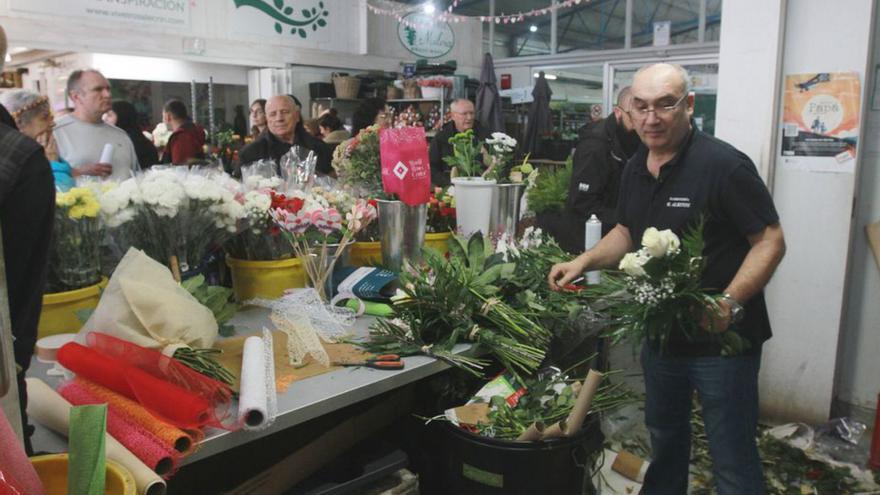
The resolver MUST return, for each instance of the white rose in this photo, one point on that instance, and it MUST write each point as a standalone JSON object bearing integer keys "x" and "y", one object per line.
{"x": 654, "y": 242}
{"x": 672, "y": 242}
{"x": 631, "y": 264}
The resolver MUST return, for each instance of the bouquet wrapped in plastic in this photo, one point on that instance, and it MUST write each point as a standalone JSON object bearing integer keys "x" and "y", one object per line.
{"x": 74, "y": 256}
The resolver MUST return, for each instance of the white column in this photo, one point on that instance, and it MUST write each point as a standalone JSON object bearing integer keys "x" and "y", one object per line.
{"x": 628, "y": 33}
{"x": 554, "y": 21}
{"x": 492, "y": 29}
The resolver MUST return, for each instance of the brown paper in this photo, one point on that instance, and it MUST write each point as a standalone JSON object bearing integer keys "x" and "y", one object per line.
{"x": 472, "y": 414}
{"x": 556, "y": 430}
{"x": 583, "y": 402}
{"x": 52, "y": 411}
{"x": 629, "y": 465}
{"x": 873, "y": 231}
{"x": 534, "y": 433}
{"x": 285, "y": 373}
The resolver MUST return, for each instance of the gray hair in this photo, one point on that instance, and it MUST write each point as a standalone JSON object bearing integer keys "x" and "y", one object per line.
{"x": 624, "y": 95}
{"x": 458, "y": 101}
{"x": 75, "y": 77}
{"x": 24, "y": 105}
{"x": 680, "y": 71}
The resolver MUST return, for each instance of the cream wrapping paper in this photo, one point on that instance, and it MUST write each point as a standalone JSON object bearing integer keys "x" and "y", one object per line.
{"x": 257, "y": 402}
{"x": 144, "y": 305}
{"x": 53, "y": 412}
{"x": 572, "y": 424}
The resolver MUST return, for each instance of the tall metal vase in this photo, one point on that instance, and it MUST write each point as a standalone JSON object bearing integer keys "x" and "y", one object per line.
{"x": 505, "y": 211}
{"x": 402, "y": 232}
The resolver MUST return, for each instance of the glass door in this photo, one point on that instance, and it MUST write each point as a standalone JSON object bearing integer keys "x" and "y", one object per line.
{"x": 703, "y": 82}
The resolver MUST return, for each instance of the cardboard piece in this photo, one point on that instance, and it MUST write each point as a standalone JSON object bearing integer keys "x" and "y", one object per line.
{"x": 301, "y": 464}
{"x": 630, "y": 465}
{"x": 285, "y": 374}
{"x": 471, "y": 414}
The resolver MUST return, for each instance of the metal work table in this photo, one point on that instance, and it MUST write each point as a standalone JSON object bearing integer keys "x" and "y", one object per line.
{"x": 304, "y": 400}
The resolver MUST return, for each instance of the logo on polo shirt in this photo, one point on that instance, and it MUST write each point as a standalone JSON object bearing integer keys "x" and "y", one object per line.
{"x": 678, "y": 202}
{"x": 583, "y": 187}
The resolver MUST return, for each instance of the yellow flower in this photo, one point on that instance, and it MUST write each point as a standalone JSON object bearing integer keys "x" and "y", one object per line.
{"x": 64, "y": 199}
{"x": 76, "y": 212}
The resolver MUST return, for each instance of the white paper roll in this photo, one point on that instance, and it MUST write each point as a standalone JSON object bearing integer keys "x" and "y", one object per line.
{"x": 107, "y": 154}
{"x": 52, "y": 411}
{"x": 257, "y": 398}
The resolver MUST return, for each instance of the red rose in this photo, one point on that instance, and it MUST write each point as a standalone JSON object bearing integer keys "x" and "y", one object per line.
{"x": 373, "y": 203}
{"x": 295, "y": 204}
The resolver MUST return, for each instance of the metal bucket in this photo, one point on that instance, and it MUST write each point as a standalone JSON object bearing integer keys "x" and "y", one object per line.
{"x": 402, "y": 232}
{"x": 505, "y": 208}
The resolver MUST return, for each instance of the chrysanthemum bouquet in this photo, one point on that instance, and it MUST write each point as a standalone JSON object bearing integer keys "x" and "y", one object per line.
{"x": 658, "y": 293}
{"x": 74, "y": 256}
{"x": 358, "y": 164}
{"x": 319, "y": 234}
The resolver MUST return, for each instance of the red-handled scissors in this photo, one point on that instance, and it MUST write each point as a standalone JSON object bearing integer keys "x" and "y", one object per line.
{"x": 383, "y": 362}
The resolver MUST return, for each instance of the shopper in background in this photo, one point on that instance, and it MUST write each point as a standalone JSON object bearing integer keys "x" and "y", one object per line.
{"x": 463, "y": 118}
{"x": 332, "y": 129}
{"x": 371, "y": 111}
{"x": 187, "y": 139}
{"x": 239, "y": 122}
{"x": 681, "y": 176}
{"x": 127, "y": 120}
{"x": 602, "y": 151}
{"x": 82, "y": 135}
{"x": 34, "y": 119}
{"x": 312, "y": 128}
{"x": 258, "y": 117}
{"x": 285, "y": 129}
{"x": 27, "y": 209}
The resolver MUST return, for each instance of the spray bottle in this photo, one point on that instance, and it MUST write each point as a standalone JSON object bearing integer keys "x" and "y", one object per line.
{"x": 593, "y": 232}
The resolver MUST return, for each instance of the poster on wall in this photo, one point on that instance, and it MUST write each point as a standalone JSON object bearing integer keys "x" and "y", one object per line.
{"x": 820, "y": 121}
{"x": 157, "y": 13}
{"x": 424, "y": 36}
{"x": 303, "y": 23}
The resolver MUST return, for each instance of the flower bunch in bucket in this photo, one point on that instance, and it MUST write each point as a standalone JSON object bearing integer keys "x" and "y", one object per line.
{"x": 319, "y": 233}
{"x": 74, "y": 255}
{"x": 658, "y": 293}
{"x": 441, "y": 211}
{"x": 358, "y": 164}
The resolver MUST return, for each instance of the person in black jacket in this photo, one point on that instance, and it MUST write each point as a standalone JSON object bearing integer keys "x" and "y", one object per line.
{"x": 27, "y": 210}
{"x": 603, "y": 149}
{"x": 126, "y": 119}
{"x": 285, "y": 130}
{"x": 463, "y": 118}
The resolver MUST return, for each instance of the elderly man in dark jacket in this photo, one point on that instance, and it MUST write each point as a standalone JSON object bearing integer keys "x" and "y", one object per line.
{"x": 603, "y": 149}
{"x": 285, "y": 130}
{"x": 27, "y": 208}
{"x": 463, "y": 118}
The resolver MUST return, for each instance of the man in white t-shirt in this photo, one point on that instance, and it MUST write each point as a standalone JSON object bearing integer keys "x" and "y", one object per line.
{"x": 82, "y": 135}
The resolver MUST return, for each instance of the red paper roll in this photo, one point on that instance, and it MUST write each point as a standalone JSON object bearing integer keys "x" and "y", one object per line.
{"x": 132, "y": 435}
{"x": 171, "y": 402}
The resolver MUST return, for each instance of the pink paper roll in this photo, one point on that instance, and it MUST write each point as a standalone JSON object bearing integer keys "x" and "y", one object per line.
{"x": 132, "y": 435}
{"x": 14, "y": 462}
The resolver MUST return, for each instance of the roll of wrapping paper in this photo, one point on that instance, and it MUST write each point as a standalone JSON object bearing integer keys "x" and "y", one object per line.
{"x": 52, "y": 411}
{"x": 168, "y": 401}
{"x": 168, "y": 434}
{"x": 15, "y": 467}
{"x": 255, "y": 403}
{"x": 534, "y": 433}
{"x": 131, "y": 435}
{"x": 157, "y": 364}
{"x": 572, "y": 424}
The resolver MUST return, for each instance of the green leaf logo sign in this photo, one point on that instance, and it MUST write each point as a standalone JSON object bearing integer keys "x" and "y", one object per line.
{"x": 284, "y": 15}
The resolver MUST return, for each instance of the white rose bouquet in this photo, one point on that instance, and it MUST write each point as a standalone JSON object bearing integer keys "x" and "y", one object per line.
{"x": 658, "y": 291}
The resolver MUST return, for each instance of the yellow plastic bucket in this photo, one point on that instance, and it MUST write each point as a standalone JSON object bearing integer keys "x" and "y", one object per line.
{"x": 59, "y": 309}
{"x": 365, "y": 253}
{"x": 265, "y": 279}
{"x": 52, "y": 470}
{"x": 438, "y": 241}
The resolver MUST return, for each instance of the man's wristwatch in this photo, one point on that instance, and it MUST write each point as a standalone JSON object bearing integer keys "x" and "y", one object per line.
{"x": 736, "y": 310}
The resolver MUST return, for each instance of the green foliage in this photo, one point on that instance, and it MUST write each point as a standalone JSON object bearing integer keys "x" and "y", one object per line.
{"x": 550, "y": 191}
{"x": 464, "y": 154}
{"x": 216, "y": 298}
{"x": 358, "y": 163}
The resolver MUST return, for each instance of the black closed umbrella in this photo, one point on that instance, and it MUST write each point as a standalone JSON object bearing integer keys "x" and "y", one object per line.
{"x": 488, "y": 99}
{"x": 539, "y": 118}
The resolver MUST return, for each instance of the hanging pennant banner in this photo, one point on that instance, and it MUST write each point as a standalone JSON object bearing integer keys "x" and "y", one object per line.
{"x": 406, "y": 170}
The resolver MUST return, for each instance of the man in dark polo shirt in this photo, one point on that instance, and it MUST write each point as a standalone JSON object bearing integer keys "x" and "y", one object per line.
{"x": 680, "y": 175}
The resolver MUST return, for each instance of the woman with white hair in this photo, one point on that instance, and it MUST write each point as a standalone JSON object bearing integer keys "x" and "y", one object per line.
{"x": 33, "y": 117}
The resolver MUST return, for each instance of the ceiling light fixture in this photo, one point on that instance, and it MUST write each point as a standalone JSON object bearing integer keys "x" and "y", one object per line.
{"x": 429, "y": 8}
{"x": 549, "y": 77}
{"x": 533, "y": 28}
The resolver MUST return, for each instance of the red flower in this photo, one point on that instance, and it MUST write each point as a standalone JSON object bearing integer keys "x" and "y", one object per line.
{"x": 447, "y": 212}
{"x": 295, "y": 204}
{"x": 373, "y": 203}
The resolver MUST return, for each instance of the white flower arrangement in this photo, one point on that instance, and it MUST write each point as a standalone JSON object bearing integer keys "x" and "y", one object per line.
{"x": 501, "y": 143}
{"x": 161, "y": 133}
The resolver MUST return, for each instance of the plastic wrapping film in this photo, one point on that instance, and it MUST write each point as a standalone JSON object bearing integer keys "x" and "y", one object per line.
{"x": 257, "y": 404}
{"x": 16, "y": 471}
{"x": 330, "y": 322}
{"x": 52, "y": 411}
{"x": 130, "y": 434}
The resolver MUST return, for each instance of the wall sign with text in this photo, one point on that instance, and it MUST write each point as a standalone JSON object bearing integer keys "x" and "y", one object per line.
{"x": 425, "y": 36}
{"x": 161, "y": 13}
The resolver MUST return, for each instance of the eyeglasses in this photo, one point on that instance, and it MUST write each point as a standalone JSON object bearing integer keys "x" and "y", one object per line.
{"x": 640, "y": 111}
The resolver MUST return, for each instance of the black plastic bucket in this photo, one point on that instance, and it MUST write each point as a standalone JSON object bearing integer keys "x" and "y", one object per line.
{"x": 478, "y": 465}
